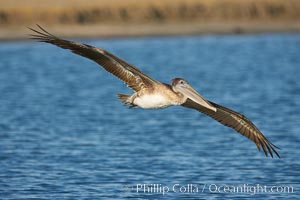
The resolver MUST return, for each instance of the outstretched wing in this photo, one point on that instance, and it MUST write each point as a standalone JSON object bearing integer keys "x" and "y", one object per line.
{"x": 238, "y": 122}
{"x": 132, "y": 77}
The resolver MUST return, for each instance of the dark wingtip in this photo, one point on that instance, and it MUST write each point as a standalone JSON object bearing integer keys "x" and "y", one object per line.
{"x": 273, "y": 148}
{"x": 277, "y": 154}
{"x": 268, "y": 147}
{"x": 40, "y": 34}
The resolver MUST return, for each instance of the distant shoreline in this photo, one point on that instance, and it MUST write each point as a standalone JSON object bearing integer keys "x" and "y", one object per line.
{"x": 114, "y": 31}
{"x": 141, "y": 18}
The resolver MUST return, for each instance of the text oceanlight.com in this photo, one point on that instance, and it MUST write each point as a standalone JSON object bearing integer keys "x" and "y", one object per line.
{"x": 250, "y": 189}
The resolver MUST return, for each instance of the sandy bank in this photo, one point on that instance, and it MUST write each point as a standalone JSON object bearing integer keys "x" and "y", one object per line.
{"x": 115, "y": 18}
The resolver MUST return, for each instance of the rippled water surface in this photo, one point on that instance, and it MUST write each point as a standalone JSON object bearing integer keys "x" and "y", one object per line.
{"x": 65, "y": 135}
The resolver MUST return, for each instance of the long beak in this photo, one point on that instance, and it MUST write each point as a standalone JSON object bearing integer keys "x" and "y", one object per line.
{"x": 190, "y": 93}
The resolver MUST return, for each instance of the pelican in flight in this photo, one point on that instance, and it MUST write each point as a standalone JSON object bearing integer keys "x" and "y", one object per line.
{"x": 151, "y": 94}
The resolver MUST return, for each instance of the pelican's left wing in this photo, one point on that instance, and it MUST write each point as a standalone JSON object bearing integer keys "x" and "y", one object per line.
{"x": 238, "y": 122}
{"x": 132, "y": 77}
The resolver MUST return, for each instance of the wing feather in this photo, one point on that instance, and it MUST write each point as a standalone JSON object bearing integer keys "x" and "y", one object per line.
{"x": 238, "y": 122}
{"x": 132, "y": 77}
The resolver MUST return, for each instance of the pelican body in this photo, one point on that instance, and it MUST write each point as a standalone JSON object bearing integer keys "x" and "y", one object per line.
{"x": 163, "y": 95}
{"x": 151, "y": 94}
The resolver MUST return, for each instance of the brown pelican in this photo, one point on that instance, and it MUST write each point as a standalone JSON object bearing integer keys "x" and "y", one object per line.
{"x": 151, "y": 94}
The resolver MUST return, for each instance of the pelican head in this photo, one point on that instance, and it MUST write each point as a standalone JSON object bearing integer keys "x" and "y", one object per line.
{"x": 181, "y": 86}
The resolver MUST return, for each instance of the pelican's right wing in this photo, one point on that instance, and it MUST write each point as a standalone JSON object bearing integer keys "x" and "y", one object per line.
{"x": 238, "y": 122}
{"x": 132, "y": 77}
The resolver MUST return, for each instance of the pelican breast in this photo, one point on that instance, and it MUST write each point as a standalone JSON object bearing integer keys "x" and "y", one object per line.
{"x": 152, "y": 101}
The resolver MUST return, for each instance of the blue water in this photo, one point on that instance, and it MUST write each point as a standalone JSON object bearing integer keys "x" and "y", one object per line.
{"x": 65, "y": 135}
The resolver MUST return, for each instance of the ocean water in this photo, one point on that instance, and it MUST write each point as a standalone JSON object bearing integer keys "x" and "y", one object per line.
{"x": 65, "y": 135}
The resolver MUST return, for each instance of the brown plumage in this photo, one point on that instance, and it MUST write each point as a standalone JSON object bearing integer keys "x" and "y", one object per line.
{"x": 131, "y": 76}
{"x": 238, "y": 122}
{"x": 151, "y": 94}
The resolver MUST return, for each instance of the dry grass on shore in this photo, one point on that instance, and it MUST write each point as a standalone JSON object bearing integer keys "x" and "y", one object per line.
{"x": 135, "y": 13}
{"x": 144, "y": 11}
